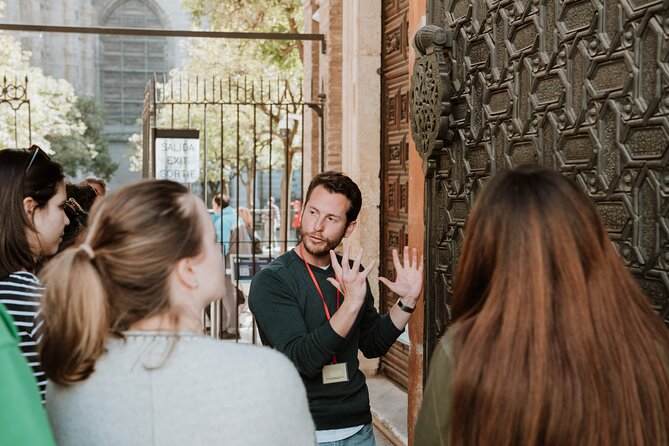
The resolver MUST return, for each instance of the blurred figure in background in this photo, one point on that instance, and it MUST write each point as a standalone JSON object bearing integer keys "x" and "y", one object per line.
{"x": 80, "y": 199}
{"x": 32, "y": 196}
{"x": 552, "y": 342}
{"x": 297, "y": 218}
{"x": 247, "y": 218}
{"x": 225, "y": 221}
{"x": 98, "y": 185}
{"x": 271, "y": 219}
{"x": 123, "y": 343}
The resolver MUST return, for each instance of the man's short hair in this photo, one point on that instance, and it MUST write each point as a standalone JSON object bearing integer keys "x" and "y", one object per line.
{"x": 338, "y": 183}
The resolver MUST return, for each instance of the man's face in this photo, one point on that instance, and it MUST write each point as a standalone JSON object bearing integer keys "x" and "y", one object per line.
{"x": 323, "y": 222}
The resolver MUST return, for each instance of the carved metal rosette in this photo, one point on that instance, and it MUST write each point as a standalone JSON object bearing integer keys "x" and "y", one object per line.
{"x": 431, "y": 90}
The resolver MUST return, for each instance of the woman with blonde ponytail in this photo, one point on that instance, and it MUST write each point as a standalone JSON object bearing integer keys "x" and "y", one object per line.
{"x": 553, "y": 342}
{"x": 123, "y": 344}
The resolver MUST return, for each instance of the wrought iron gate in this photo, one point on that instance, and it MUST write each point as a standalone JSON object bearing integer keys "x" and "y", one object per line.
{"x": 581, "y": 86}
{"x": 251, "y": 139}
{"x": 14, "y": 95}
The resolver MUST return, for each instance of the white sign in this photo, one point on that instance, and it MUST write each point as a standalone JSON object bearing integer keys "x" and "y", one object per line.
{"x": 178, "y": 159}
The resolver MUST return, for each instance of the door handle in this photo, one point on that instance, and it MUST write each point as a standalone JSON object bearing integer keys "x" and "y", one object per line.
{"x": 431, "y": 90}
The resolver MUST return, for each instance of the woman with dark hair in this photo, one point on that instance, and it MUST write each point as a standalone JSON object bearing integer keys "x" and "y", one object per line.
{"x": 123, "y": 343}
{"x": 552, "y": 343}
{"x": 32, "y": 195}
{"x": 80, "y": 200}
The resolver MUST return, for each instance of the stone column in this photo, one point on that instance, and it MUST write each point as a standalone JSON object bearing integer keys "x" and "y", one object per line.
{"x": 361, "y": 127}
{"x": 417, "y": 13}
{"x": 311, "y": 87}
{"x": 331, "y": 17}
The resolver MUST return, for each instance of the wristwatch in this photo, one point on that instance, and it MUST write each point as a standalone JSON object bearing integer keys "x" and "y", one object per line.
{"x": 404, "y": 307}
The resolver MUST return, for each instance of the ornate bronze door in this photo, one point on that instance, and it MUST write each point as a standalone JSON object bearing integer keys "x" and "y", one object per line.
{"x": 581, "y": 86}
{"x": 394, "y": 164}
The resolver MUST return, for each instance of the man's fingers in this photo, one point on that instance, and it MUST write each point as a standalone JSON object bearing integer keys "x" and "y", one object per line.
{"x": 396, "y": 260}
{"x": 414, "y": 260}
{"x": 344, "y": 260}
{"x": 335, "y": 264}
{"x": 385, "y": 281}
{"x": 369, "y": 268}
{"x": 335, "y": 284}
{"x": 358, "y": 260}
{"x": 405, "y": 254}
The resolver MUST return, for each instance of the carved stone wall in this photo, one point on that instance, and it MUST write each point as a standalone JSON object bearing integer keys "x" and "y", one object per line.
{"x": 580, "y": 86}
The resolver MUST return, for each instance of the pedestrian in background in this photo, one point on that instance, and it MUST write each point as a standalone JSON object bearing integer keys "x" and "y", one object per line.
{"x": 225, "y": 222}
{"x": 553, "y": 342}
{"x": 271, "y": 219}
{"x": 123, "y": 343}
{"x": 297, "y": 218}
{"x": 32, "y": 196}
{"x": 79, "y": 201}
{"x": 98, "y": 184}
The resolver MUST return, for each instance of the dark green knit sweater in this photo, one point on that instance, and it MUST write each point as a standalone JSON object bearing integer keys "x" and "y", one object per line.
{"x": 291, "y": 318}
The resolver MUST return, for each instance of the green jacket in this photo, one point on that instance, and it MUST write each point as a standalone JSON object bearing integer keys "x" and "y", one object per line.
{"x": 432, "y": 425}
{"x": 291, "y": 319}
{"x": 22, "y": 417}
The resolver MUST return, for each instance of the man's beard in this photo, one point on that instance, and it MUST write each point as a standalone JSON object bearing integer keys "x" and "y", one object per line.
{"x": 321, "y": 250}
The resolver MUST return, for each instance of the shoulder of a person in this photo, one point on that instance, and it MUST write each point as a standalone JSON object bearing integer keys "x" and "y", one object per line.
{"x": 284, "y": 262}
{"x": 22, "y": 280}
{"x": 21, "y": 277}
{"x": 243, "y": 355}
{"x": 446, "y": 341}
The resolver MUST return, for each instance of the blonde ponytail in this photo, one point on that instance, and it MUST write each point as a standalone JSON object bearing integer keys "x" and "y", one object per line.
{"x": 118, "y": 276}
{"x": 75, "y": 316}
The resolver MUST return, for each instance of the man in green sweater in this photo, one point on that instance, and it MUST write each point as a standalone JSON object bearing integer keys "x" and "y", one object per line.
{"x": 318, "y": 309}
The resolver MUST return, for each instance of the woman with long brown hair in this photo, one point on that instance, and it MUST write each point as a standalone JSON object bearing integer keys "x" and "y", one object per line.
{"x": 123, "y": 344}
{"x": 552, "y": 343}
{"x": 32, "y": 195}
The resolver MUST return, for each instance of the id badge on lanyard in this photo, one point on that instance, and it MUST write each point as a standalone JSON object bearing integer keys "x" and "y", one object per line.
{"x": 335, "y": 372}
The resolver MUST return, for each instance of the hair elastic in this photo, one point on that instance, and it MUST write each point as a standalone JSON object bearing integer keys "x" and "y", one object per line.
{"x": 88, "y": 250}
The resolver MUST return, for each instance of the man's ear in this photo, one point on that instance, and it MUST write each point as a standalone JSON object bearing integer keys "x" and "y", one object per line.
{"x": 29, "y": 206}
{"x": 349, "y": 229}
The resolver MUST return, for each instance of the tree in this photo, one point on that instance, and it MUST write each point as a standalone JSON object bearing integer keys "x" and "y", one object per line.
{"x": 35, "y": 105}
{"x": 87, "y": 152}
{"x": 41, "y": 110}
{"x": 214, "y": 63}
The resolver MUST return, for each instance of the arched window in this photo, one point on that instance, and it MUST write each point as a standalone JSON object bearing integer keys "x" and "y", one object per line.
{"x": 127, "y": 62}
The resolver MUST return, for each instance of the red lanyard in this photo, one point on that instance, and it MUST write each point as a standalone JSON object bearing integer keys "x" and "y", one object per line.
{"x": 320, "y": 293}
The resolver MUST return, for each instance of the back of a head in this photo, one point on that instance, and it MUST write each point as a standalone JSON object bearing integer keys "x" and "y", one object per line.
{"x": 23, "y": 173}
{"x": 84, "y": 195}
{"x": 246, "y": 216}
{"x": 337, "y": 182}
{"x": 80, "y": 200}
{"x": 98, "y": 184}
{"x": 548, "y": 322}
{"x": 136, "y": 236}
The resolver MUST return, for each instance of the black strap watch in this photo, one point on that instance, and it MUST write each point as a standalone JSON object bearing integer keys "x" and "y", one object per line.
{"x": 404, "y": 307}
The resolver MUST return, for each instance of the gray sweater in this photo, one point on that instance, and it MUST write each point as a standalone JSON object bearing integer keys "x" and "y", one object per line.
{"x": 202, "y": 392}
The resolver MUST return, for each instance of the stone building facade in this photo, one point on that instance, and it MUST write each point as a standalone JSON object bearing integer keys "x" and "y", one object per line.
{"x": 115, "y": 69}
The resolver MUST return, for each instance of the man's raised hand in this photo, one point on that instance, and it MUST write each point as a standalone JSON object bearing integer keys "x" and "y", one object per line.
{"x": 350, "y": 280}
{"x": 408, "y": 276}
